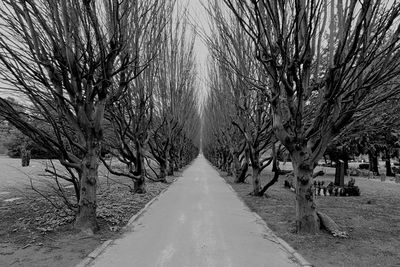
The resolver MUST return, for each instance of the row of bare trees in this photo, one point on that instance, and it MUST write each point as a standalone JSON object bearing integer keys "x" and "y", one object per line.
{"x": 99, "y": 77}
{"x": 295, "y": 73}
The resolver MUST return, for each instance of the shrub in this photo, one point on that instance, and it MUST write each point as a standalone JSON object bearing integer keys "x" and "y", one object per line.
{"x": 15, "y": 144}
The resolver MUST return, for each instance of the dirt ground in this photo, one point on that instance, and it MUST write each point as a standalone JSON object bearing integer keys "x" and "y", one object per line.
{"x": 32, "y": 234}
{"x": 372, "y": 221}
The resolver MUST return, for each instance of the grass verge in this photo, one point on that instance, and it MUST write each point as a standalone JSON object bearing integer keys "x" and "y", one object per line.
{"x": 372, "y": 220}
{"x": 32, "y": 234}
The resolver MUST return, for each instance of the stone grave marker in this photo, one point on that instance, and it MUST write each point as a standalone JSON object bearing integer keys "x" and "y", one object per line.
{"x": 339, "y": 173}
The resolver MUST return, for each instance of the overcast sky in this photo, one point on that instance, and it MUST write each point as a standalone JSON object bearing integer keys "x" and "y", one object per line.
{"x": 199, "y": 18}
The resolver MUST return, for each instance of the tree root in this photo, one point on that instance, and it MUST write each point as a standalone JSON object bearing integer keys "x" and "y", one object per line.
{"x": 327, "y": 223}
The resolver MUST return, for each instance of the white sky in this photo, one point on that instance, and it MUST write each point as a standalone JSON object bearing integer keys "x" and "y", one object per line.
{"x": 199, "y": 17}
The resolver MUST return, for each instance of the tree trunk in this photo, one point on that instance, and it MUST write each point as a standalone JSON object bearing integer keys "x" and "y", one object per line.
{"x": 86, "y": 217}
{"x": 163, "y": 171}
{"x": 230, "y": 163}
{"x": 139, "y": 184}
{"x": 346, "y": 165}
{"x": 256, "y": 179}
{"x": 170, "y": 169}
{"x": 175, "y": 164}
{"x": 270, "y": 183}
{"x": 223, "y": 162}
{"x": 389, "y": 171}
{"x": 275, "y": 170}
{"x": 25, "y": 156}
{"x": 373, "y": 163}
{"x": 242, "y": 173}
{"x": 229, "y": 171}
{"x": 306, "y": 215}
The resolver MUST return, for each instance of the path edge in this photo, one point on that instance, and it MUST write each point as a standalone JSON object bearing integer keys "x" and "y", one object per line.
{"x": 100, "y": 249}
{"x": 288, "y": 248}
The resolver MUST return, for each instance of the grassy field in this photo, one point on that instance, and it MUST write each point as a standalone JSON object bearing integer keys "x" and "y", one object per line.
{"x": 372, "y": 220}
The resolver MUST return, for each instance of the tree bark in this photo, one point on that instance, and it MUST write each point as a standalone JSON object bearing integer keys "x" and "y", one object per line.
{"x": 306, "y": 215}
{"x": 373, "y": 163}
{"x": 170, "y": 168}
{"x": 256, "y": 180}
{"x": 389, "y": 171}
{"x": 346, "y": 165}
{"x": 86, "y": 217}
{"x": 163, "y": 171}
{"x": 139, "y": 184}
{"x": 242, "y": 173}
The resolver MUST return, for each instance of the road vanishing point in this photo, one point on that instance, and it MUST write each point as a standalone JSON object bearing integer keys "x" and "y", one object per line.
{"x": 198, "y": 221}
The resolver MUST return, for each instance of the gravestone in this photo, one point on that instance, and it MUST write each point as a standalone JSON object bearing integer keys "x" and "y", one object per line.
{"x": 339, "y": 173}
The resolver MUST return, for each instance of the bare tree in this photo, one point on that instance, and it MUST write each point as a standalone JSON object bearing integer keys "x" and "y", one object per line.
{"x": 240, "y": 78}
{"x": 131, "y": 115}
{"x": 175, "y": 96}
{"x": 318, "y": 78}
{"x": 62, "y": 58}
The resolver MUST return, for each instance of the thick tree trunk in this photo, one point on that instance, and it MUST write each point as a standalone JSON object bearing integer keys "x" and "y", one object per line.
{"x": 163, "y": 171}
{"x": 306, "y": 215}
{"x": 346, "y": 165}
{"x": 242, "y": 173}
{"x": 139, "y": 184}
{"x": 170, "y": 168}
{"x": 86, "y": 217}
{"x": 256, "y": 180}
{"x": 389, "y": 171}
{"x": 373, "y": 163}
{"x": 244, "y": 168}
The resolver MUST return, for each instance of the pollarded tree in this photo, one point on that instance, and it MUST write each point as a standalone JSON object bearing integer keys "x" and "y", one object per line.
{"x": 174, "y": 95}
{"x": 227, "y": 106}
{"x": 131, "y": 114}
{"x": 222, "y": 142}
{"x": 61, "y": 58}
{"x": 319, "y": 78}
{"x": 242, "y": 79}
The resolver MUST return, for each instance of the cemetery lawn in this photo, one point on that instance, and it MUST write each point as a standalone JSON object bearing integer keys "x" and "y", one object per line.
{"x": 372, "y": 221}
{"x": 31, "y": 234}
